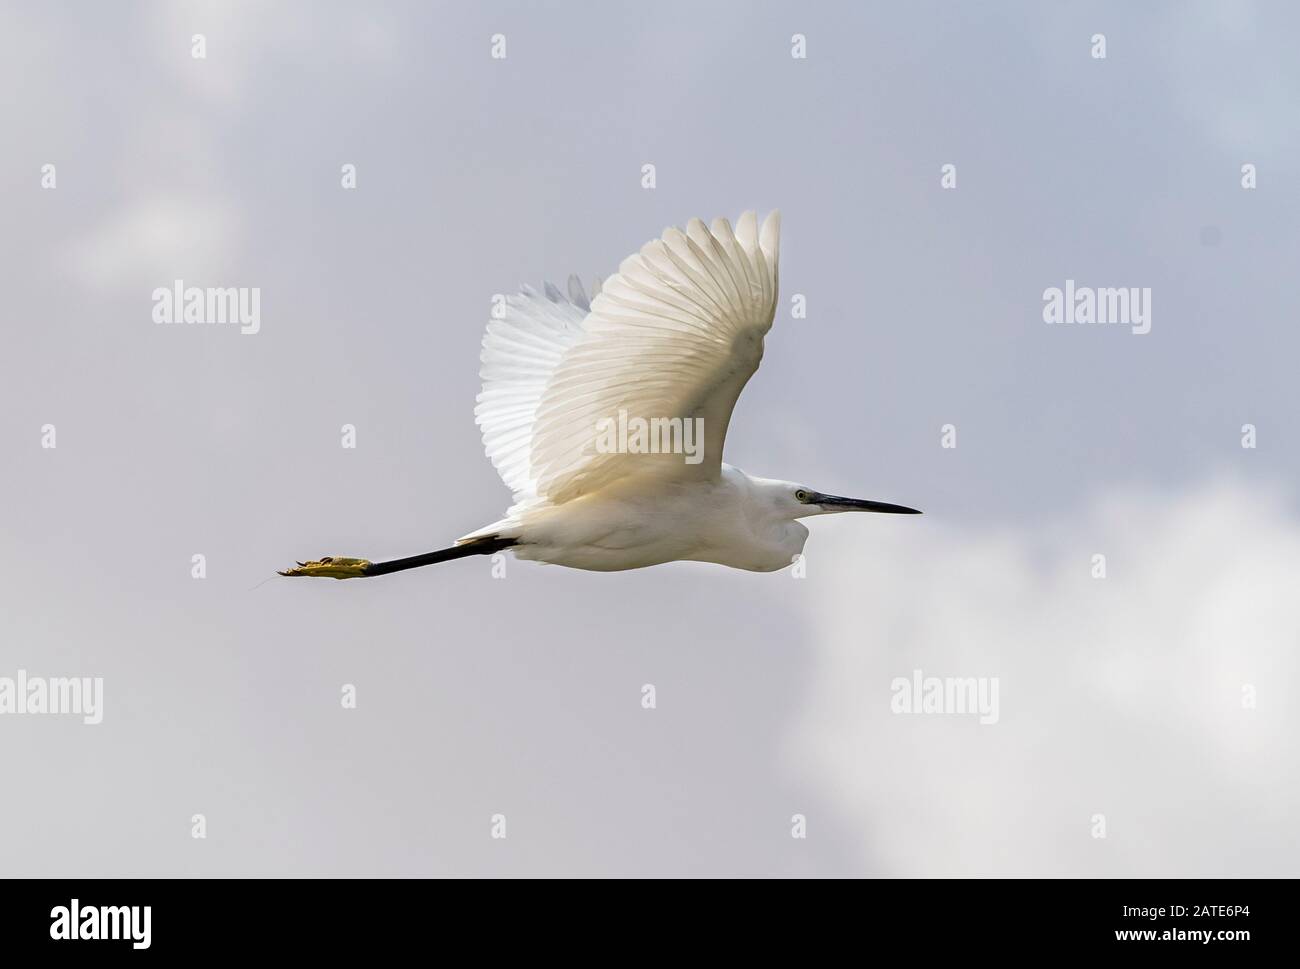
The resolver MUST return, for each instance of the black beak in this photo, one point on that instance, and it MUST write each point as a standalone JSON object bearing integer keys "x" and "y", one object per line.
{"x": 860, "y": 504}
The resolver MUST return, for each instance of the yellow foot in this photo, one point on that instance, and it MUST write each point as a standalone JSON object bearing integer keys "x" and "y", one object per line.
{"x": 332, "y": 567}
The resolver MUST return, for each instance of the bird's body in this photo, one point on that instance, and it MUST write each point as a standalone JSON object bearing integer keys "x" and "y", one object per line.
{"x": 607, "y": 417}
{"x": 732, "y": 520}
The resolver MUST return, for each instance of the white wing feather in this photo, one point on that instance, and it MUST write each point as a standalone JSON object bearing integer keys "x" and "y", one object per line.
{"x": 520, "y": 352}
{"x": 676, "y": 333}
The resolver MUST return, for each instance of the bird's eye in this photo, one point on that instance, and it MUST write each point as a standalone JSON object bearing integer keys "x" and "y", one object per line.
{"x": 801, "y": 495}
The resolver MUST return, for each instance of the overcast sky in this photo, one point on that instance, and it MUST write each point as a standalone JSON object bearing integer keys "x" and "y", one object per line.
{"x": 1122, "y": 697}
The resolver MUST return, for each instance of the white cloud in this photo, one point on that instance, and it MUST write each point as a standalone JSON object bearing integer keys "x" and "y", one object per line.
{"x": 1120, "y": 696}
{"x": 247, "y": 43}
{"x": 153, "y": 241}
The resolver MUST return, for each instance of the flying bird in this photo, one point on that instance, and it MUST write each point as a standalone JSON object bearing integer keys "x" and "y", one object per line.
{"x": 607, "y": 417}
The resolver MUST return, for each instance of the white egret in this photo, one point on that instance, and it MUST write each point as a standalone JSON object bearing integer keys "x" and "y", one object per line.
{"x": 607, "y": 417}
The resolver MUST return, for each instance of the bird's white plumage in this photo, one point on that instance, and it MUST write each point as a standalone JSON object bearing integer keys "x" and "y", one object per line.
{"x": 676, "y": 333}
{"x": 520, "y": 352}
{"x": 673, "y": 336}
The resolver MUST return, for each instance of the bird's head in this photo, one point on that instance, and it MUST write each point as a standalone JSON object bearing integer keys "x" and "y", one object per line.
{"x": 800, "y": 501}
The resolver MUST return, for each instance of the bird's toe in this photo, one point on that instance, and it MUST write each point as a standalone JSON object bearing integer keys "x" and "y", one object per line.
{"x": 331, "y": 567}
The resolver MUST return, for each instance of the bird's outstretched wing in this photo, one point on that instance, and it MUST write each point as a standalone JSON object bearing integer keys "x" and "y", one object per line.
{"x": 675, "y": 334}
{"x": 520, "y": 352}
